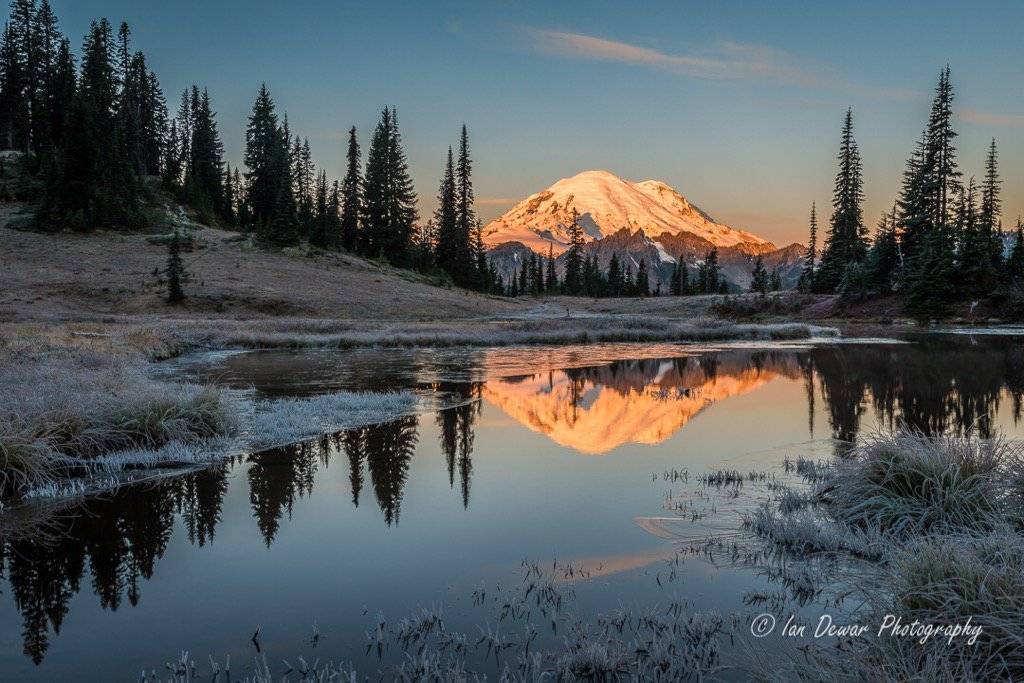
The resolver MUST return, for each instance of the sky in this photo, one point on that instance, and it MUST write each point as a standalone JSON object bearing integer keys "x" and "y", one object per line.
{"x": 738, "y": 105}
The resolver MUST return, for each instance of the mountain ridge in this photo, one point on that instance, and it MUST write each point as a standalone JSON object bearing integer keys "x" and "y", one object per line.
{"x": 607, "y": 204}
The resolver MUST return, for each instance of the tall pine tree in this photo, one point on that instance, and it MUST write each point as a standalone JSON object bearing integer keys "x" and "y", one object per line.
{"x": 846, "y": 243}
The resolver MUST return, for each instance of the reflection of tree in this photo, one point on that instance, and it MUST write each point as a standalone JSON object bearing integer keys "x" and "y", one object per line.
{"x": 389, "y": 450}
{"x": 120, "y": 537}
{"x": 936, "y": 385}
{"x": 457, "y": 432}
{"x": 354, "y": 443}
{"x": 277, "y": 477}
{"x": 198, "y": 499}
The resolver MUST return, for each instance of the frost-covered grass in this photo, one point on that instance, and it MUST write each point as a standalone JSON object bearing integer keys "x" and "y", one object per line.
{"x": 285, "y": 421}
{"x": 492, "y": 332}
{"x": 76, "y": 402}
{"x": 907, "y": 483}
{"x": 63, "y": 407}
{"x": 659, "y": 644}
{"x": 941, "y": 518}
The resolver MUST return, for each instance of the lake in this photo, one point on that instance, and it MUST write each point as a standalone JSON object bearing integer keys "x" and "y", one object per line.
{"x": 585, "y": 463}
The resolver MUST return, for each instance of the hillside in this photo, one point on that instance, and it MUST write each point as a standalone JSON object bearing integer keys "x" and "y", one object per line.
{"x": 69, "y": 275}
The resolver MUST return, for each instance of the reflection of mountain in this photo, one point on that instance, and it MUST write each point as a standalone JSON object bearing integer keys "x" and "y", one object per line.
{"x": 595, "y": 410}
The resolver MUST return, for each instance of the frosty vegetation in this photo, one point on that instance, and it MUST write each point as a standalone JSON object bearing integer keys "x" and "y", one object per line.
{"x": 940, "y": 521}
{"x": 76, "y": 411}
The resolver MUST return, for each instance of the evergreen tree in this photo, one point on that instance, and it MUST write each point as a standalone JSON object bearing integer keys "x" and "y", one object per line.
{"x": 806, "y": 281}
{"x": 710, "y": 281}
{"x": 465, "y": 214}
{"x": 759, "y": 277}
{"x": 263, "y": 140}
{"x": 775, "y": 282}
{"x": 551, "y": 281}
{"x": 977, "y": 276}
{"x": 643, "y": 285}
{"x": 614, "y": 276}
{"x": 446, "y": 219}
{"x": 479, "y": 259}
{"x": 18, "y": 71}
{"x": 322, "y": 224}
{"x": 988, "y": 219}
{"x": 175, "y": 273}
{"x": 884, "y": 258}
{"x": 1014, "y": 266}
{"x": 574, "y": 257}
{"x": 930, "y": 213}
{"x": 351, "y": 195}
{"x": 846, "y": 237}
{"x": 204, "y": 189}
{"x": 95, "y": 185}
{"x": 58, "y": 95}
{"x": 628, "y": 285}
{"x": 389, "y": 199}
{"x": 930, "y": 281}
{"x": 227, "y": 210}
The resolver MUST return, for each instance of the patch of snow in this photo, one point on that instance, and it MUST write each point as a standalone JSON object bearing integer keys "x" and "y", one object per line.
{"x": 663, "y": 255}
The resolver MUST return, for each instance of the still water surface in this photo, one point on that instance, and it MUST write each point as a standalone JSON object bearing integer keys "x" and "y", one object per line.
{"x": 552, "y": 454}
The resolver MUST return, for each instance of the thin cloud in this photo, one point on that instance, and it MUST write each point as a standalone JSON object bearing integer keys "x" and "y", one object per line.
{"x": 494, "y": 201}
{"x": 991, "y": 119}
{"x": 728, "y": 61}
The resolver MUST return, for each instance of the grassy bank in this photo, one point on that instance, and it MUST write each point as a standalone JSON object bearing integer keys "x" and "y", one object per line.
{"x": 942, "y": 524}
{"x": 79, "y": 408}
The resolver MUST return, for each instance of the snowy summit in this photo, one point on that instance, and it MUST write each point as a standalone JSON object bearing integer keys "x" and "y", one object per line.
{"x": 606, "y": 204}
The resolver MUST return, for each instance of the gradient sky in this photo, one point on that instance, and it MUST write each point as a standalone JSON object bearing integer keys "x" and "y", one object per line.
{"x": 736, "y": 104}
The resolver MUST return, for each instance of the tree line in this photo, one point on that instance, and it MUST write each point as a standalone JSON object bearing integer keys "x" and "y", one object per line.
{"x": 538, "y": 275}
{"x": 940, "y": 243}
{"x": 99, "y": 135}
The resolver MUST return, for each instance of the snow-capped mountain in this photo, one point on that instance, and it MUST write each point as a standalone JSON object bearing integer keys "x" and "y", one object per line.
{"x": 607, "y": 204}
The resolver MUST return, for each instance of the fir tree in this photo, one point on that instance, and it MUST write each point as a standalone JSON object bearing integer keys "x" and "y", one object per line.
{"x": 883, "y": 258}
{"x": 263, "y": 140}
{"x": 759, "y": 277}
{"x": 446, "y": 219}
{"x": 574, "y": 257}
{"x": 389, "y": 199}
{"x": 322, "y": 224}
{"x": 1014, "y": 266}
{"x": 614, "y": 276}
{"x": 775, "y": 281}
{"x": 479, "y": 258}
{"x": 930, "y": 282}
{"x": 465, "y": 214}
{"x": 643, "y": 285}
{"x": 930, "y": 216}
{"x": 95, "y": 185}
{"x": 351, "y": 195}
{"x": 204, "y": 189}
{"x": 551, "y": 280}
{"x": 846, "y": 237}
{"x": 977, "y": 276}
{"x": 710, "y": 281}
{"x": 806, "y": 281}
{"x": 175, "y": 273}
{"x": 991, "y": 205}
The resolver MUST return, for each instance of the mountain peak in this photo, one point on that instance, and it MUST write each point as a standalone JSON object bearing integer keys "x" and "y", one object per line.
{"x": 606, "y": 203}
